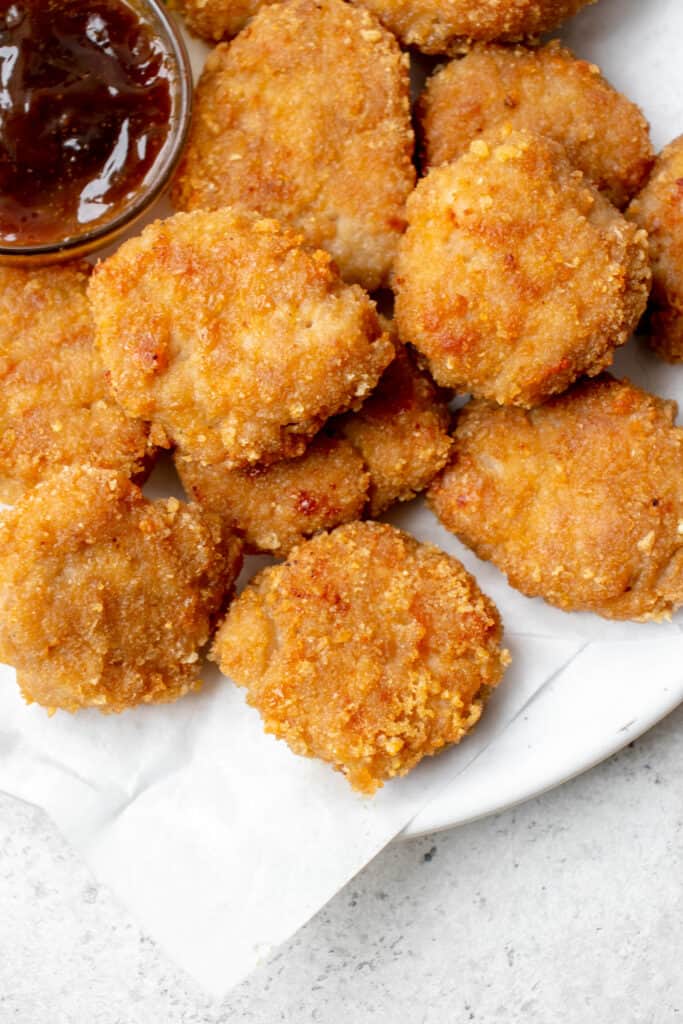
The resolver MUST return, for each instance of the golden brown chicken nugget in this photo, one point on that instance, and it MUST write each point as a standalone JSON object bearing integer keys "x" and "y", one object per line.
{"x": 275, "y": 507}
{"x": 401, "y": 431}
{"x": 360, "y": 464}
{"x": 448, "y": 26}
{"x": 56, "y": 408}
{"x": 579, "y": 501}
{"x": 546, "y": 90}
{"x": 365, "y": 649}
{"x": 305, "y": 117}
{"x": 515, "y": 275}
{"x": 217, "y": 19}
{"x": 659, "y": 209}
{"x": 105, "y": 597}
{"x": 228, "y": 333}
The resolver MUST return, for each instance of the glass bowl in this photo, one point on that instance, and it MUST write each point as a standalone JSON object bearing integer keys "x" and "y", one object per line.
{"x": 158, "y": 177}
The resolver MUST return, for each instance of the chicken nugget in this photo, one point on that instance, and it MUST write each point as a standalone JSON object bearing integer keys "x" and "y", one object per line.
{"x": 579, "y": 501}
{"x": 360, "y": 464}
{"x": 275, "y": 507}
{"x": 105, "y": 597}
{"x": 305, "y": 117}
{"x": 216, "y": 19}
{"x": 449, "y": 26}
{"x": 56, "y": 408}
{"x": 401, "y": 431}
{"x": 659, "y": 209}
{"x": 365, "y": 649}
{"x": 515, "y": 275}
{"x": 546, "y": 90}
{"x": 239, "y": 342}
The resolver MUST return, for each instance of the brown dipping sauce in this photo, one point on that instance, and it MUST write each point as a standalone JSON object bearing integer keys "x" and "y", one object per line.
{"x": 85, "y": 109}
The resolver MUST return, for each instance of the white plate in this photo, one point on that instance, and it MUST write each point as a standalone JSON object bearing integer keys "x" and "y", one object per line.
{"x": 592, "y": 709}
{"x": 637, "y": 47}
{"x": 553, "y": 741}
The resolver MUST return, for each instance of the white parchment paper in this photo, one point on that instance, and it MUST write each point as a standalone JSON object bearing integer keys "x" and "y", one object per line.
{"x": 215, "y": 836}
{"x": 219, "y": 840}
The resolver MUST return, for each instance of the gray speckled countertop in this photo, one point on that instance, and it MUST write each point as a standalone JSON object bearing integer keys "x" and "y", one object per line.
{"x": 567, "y": 909}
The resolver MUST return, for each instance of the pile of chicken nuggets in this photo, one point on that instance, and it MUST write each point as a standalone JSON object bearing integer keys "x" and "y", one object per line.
{"x": 294, "y": 336}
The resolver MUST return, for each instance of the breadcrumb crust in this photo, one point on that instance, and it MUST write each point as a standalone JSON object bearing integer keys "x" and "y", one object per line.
{"x": 579, "y": 501}
{"x": 56, "y": 408}
{"x": 365, "y": 649}
{"x": 275, "y": 507}
{"x": 546, "y": 90}
{"x": 401, "y": 432}
{"x": 305, "y": 117}
{"x": 360, "y": 464}
{"x": 214, "y": 20}
{"x": 515, "y": 275}
{"x": 237, "y": 340}
{"x": 450, "y": 26}
{"x": 106, "y": 597}
{"x": 659, "y": 209}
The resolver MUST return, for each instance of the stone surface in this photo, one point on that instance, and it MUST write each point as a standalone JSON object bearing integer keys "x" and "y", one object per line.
{"x": 565, "y": 910}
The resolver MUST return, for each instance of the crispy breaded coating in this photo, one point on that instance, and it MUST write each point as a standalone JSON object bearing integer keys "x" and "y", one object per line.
{"x": 240, "y": 342}
{"x": 448, "y": 26}
{"x": 275, "y": 507}
{"x": 105, "y": 597}
{"x": 56, "y": 408}
{"x": 546, "y": 90}
{"x": 365, "y": 649}
{"x": 659, "y": 209}
{"x": 579, "y": 501}
{"x": 305, "y": 117}
{"x": 360, "y": 464}
{"x": 216, "y": 19}
{"x": 401, "y": 431}
{"x": 515, "y": 275}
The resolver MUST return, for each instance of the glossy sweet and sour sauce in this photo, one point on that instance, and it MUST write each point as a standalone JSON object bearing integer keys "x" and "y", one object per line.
{"x": 85, "y": 109}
